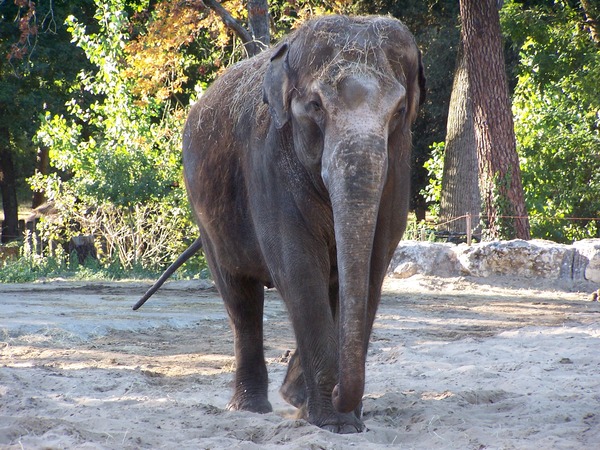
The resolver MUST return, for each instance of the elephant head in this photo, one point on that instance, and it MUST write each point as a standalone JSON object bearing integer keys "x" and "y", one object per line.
{"x": 348, "y": 101}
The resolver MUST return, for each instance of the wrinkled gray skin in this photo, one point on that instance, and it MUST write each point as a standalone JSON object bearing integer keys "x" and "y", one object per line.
{"x": 307, "y": 191}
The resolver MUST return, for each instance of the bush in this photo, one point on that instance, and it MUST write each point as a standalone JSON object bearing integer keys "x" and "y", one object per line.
{"x": 119, "y": 166}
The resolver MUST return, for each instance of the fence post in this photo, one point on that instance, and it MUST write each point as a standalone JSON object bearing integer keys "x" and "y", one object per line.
{"x": 469, "y": 230}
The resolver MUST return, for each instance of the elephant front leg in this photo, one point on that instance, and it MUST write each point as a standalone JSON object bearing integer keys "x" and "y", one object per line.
{"x": 317, "y": 407}
{"x": 293, "y": 390}
{"x": 244, "y": 300}
{"x": 312, "y": 371}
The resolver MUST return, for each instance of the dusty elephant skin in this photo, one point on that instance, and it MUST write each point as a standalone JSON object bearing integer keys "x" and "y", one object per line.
{"x": 296, "y": 163}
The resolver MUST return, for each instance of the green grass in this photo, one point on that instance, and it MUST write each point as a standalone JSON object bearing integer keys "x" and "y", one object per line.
{"x": 31, "y": 268}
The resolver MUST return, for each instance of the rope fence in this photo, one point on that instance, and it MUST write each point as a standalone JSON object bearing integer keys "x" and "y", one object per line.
{"x": 470, "y": 218}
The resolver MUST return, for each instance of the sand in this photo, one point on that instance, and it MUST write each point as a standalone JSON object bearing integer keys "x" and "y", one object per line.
{"x": 454, "y": 363}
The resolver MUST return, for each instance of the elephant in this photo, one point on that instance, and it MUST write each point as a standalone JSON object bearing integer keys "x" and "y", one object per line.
{"x": 297, "y": 168}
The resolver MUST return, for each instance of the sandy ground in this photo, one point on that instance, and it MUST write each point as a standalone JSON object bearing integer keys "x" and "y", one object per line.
{"x": 453, "y": 363}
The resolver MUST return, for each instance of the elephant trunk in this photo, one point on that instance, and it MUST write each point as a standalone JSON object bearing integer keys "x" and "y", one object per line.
{"x": 354, "y": 176}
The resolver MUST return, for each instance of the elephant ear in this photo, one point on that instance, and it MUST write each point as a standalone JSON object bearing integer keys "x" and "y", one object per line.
{"x": 275, "y": 86}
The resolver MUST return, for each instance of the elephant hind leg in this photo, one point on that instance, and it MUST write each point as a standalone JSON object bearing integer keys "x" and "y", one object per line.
{"x": 244, "y": 300}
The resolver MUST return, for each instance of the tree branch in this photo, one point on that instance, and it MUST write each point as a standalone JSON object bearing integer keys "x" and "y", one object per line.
{"x": 234, "y": 25}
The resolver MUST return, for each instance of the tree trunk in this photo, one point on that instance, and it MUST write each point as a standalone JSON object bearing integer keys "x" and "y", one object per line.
{"x": 592, "y": 18}
{"x": 43, "y": 167}
{"x": 8, "y": 188}
{"x": 258, "y": 22}
{"x": 258, "y": 38}
{"x": 499, "y": 171}
{"x": 231, "y": 23}
{"x": 460, "y": 188}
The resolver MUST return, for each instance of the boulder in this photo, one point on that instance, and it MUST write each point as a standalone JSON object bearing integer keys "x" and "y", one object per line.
{"x": 83, "y": 246}
{"x": 516, "y": 258}
{"x": 425, "y": 258}
{"x": 586, "y": 264}
{"x": 527, "y": 259}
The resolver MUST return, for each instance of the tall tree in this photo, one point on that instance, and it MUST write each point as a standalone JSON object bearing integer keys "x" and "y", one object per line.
{"x": 460, "y": 181}
{"x": 591, "y": 11}
{"x": 258, "y": 21}
{"x": 8, "y": 188}
{"x": 499, "y": 172}
{"x": 38, "y": 65}
{"x": 13, "y": 42}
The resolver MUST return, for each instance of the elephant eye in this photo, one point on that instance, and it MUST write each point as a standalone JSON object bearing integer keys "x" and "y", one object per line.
{"x": 315, "y": 106}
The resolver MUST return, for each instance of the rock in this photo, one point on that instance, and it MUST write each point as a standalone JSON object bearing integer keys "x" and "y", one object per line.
{"x": 516, "y": 258}
{"x": 406, "y": 270}
{"x": 528, "y": 259}
{"x": 44, "y": 210}
{"x": 586, "y": 264}
{"x": 426, "y": 258}
{"x": 83, "y": 246}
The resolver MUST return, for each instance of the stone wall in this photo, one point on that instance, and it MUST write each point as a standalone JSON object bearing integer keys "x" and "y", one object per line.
{"x": 517, "y": 258}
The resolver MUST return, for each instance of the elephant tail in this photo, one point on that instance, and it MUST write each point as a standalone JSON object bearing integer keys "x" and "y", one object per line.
{"x": 187, "y": 254}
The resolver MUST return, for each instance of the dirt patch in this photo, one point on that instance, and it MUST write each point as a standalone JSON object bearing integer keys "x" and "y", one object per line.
{"x": 453, "y": 363}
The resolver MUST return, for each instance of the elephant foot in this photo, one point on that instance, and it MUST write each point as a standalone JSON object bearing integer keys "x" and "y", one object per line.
{"x": 339, "y": 423}
{"x": 345, "y": 428}
{"x": 344, "y": 424}
{"x": 243, "y": 403}
{"x": 293, "y": 389}
{"x": 295, "y": 393}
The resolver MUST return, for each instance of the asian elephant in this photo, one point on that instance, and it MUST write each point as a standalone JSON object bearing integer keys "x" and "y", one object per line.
{"x": 297, "y": 167}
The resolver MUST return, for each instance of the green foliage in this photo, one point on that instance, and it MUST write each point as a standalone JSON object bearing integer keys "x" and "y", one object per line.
{"x": 30, "y": 267}
{"x": 114, "y": 130}
{"x": 435, "y": 169}
{"x": 38, "y": 75}
{"x": 120, "y": 148}
{"x": 419, "y": 231}
{"x": 121, "y": 156}
{"x": 557, "y": 118}
{"x": 114, "y": 150}
{"x": 503, "y": 226}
